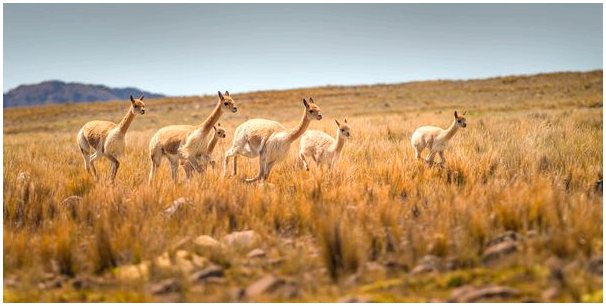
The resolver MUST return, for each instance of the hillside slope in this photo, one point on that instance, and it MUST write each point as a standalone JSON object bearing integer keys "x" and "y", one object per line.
{"x": 57, "y": 92}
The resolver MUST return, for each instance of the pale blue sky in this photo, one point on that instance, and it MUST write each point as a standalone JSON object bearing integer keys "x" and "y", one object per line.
{"x": 193, "y": 49}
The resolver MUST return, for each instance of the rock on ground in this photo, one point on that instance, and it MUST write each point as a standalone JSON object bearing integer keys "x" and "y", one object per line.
{"x": 213, "y": 271}
{"x": 205, "y": 242}
{"x": 244, "y": 239}
{"x": 256, "y": 253}
{"x": 499, "y": 250}
{"x": 133, "y": 272}
{"x": 270, "y": 284}
{"x": 165, "y": 286}
{"x": 469, "y": 294}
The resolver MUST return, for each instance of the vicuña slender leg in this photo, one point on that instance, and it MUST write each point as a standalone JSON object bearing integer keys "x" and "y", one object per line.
{"x": 442, "y": 159}
{"x": 302, "y": 158}
{"x": 235, "y": 166}
{"x": 431, "y": 156}
{"x": 114, "y": 167}
{"x": 174, "y": 168}
{"x": 268, "y": 167}
{"x": 92, "y": 160}
{"x": 261, "y": 170}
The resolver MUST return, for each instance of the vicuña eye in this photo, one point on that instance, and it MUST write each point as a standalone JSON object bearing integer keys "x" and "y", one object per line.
{"x": 225, "y": 103}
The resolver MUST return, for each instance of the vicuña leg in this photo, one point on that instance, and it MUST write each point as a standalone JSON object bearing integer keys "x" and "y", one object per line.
{"x": 267, "y": 170}
{"x": 156, "y": 159}
{"x": 92, "y": 160}
{"x": 230, "y": 153}
{"x": 86, "y": 161}
{"x": 442, "y": 159}
{"x": 432, "y": 155}
{"x": 302, "y": 158}
{"x": 261, "y": 169}
{"x": 114, "y": 168}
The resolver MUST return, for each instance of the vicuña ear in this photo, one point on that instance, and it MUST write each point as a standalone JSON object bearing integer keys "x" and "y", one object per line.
{"x": 219, "y": 124}
{"x": 311, "y": 100}
{"x": 345, "y": 120}
{"x": 220, "y": 96}
{"x": 305, "y": 103}
{"x": 132, "y": 99}
{"x": 214, "y": 127}
{"x": 464, "y": 113}
{"x": 456, "y": 115}
{"x": 338, "y": 124}
{"x": 227, "y": 93}
{"x": 142, "y": 96}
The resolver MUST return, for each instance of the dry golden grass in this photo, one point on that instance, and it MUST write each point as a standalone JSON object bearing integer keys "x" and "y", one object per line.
{"x": 528, "y": 162}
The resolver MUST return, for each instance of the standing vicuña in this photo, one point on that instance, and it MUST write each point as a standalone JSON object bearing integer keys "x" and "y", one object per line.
{"x": 267, "y": 139}
{"x": 107, "y": 138}
{"x": 322, "y": 148}
{"x": 435, "y": 138}
{"x": 220, "y": 133}
{"x": 185, "y": 141}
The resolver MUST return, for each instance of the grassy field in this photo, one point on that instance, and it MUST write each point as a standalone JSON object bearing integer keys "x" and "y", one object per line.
{"x": 514, "y": 215}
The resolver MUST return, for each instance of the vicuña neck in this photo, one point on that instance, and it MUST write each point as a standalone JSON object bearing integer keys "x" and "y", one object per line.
{"x": 212, "y": 119}
{"x": 125, "y": 122}
{"x": 338, "y": 145}
{"x": 452, "y": 129}
{"x": 300, "y": 129}
{"x": 212, "y": 143}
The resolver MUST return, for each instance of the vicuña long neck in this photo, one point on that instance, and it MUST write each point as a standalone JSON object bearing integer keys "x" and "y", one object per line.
{"x": 212, "y": 143}
{"x": 125, "y": 122}
{"x": 337, "y": 146}
{"x": 452, "y": 129}
{"x": 300, "y": 129}
{"x": 212, "y": 119}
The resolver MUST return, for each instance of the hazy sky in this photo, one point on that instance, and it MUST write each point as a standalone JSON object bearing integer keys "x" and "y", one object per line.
{"x": 192, "y": 49}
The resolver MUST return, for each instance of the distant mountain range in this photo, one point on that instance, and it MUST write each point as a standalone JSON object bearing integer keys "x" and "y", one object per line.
{"x": 56, "y": 92}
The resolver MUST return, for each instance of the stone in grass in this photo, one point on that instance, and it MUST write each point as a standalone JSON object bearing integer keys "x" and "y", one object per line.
{"x": 169, "y": 285}
{"x": 428, "y": 264}
{"x": 506, "y": 236}
{"x": 470, "y": 294}
{"x": 265, "y": 285}
{"x": 205, "y": 242}
{"x": 256, "y": 253}
{"x": 163, "y": 262}
{"x": 133, "y": 272}
{"x": 183, "y": 261}
{"x": 213, "y": 271}
{"x": 244, "y": 239}
{"x": 499, "y": 250}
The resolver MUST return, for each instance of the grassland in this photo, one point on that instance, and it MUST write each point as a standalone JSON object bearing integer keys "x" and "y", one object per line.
{"x": 383, "y": 227}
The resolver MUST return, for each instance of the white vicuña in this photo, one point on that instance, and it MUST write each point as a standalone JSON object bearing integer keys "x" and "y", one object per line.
{"x": 267, "y": 139}
{"x": 321, "y": 147}
{"x": 206, "y": 158}
{"x": 107, "y": 139}
{"x": 435, "y": 138}
{"x": 176, "y": 142}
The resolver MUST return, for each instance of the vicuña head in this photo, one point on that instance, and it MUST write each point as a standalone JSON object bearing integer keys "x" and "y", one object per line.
{"x": 137, "y": 105}
{"x": 219, "y": 131}
{"x": 461, "y": 122}
{"x": 312, "y": 110}
{"x": 344, "y": 128}
{"x": 227, "y": 102}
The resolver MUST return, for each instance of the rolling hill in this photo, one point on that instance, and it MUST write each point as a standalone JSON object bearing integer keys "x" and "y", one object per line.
{"x": 57, "y": 92}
